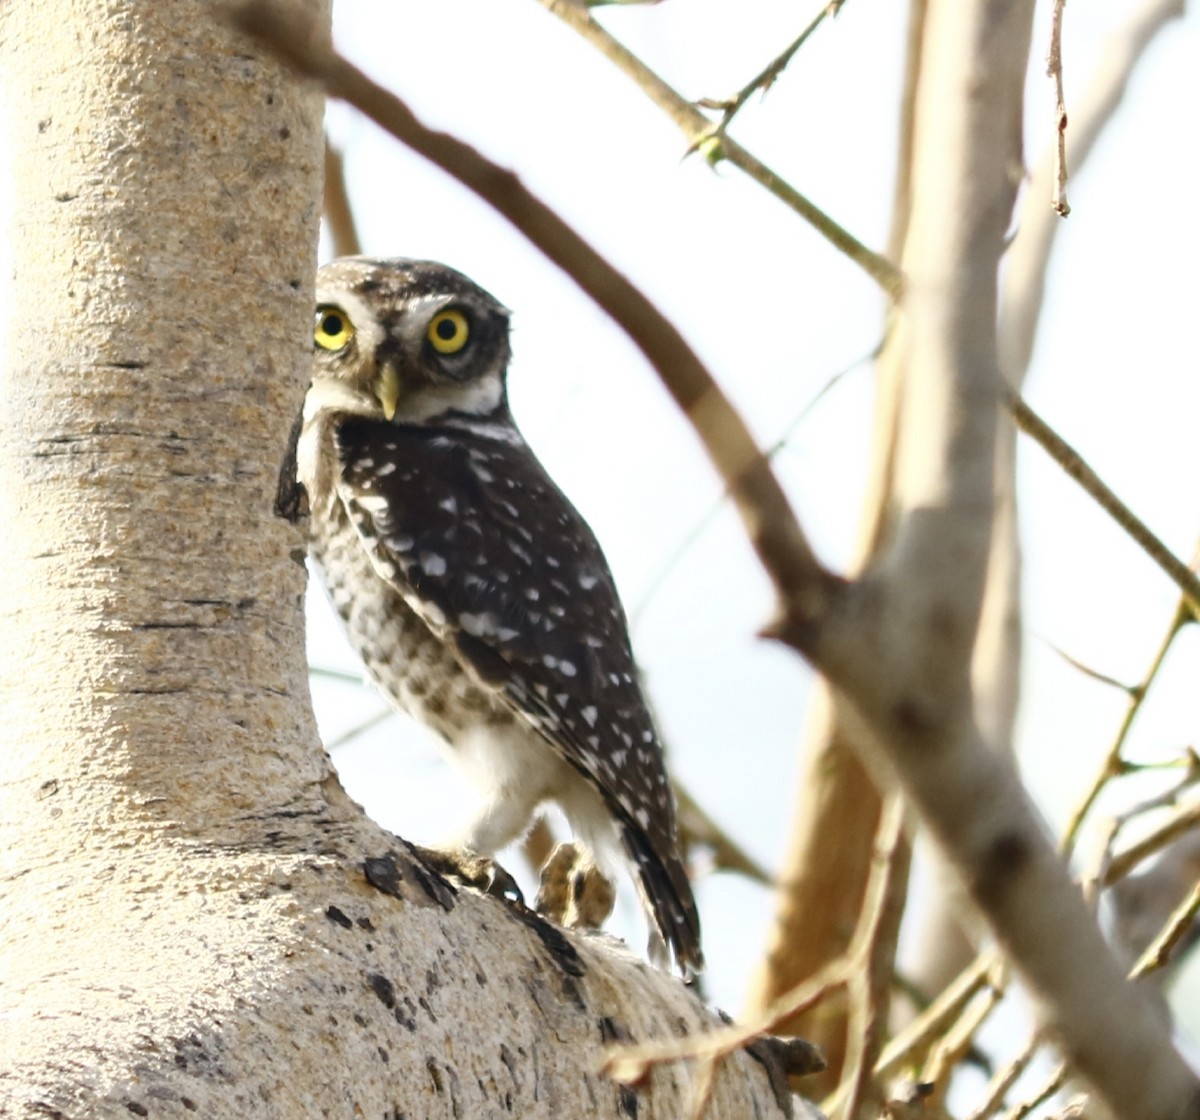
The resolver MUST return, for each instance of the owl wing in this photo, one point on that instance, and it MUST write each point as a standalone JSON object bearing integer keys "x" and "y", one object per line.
{"x": 466, "y": 524}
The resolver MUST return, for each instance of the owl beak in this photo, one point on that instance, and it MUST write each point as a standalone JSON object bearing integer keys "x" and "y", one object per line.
{"x": 387, "y": 389}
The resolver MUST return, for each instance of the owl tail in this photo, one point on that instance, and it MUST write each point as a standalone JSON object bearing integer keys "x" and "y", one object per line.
{"x": 670, "y": 906}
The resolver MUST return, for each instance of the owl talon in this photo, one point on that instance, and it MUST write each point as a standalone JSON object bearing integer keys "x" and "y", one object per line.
{"x": 573, "y": 891}
{"x": 480, "y": 872}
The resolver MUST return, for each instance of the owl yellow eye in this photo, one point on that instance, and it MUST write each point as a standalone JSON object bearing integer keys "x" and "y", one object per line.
{"x": 448, "y": 331}
{"x": 332, "y": 329}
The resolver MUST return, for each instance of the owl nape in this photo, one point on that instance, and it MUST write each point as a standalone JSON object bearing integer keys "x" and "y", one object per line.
{"x": 476, "y": 595}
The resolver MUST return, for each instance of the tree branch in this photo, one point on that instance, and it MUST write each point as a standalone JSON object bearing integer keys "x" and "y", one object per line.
{"x": 1139, "y": 532}
{"x": 698, "y": 130}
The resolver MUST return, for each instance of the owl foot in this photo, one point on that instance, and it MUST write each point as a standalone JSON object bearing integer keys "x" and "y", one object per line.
{"x": 480, "y": 872}
{"x": 573, "y": 892}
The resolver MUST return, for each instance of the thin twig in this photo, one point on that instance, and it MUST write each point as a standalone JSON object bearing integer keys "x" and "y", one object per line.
{"x": 766, "y": 78}
{"x": 953, "y": 1046}
{"x": 1168, "y": 797}
{"x": 694, "y": 534}
{"x": 987, "y": 970}
{"x": 1049, "y": 1086}
{"x": 1112, "y": 765}
{"x": 1158, "y": 953}
{"x": 697, "y": 128}
{"x": 359, "y": 729}
{"x": 874, "y": 945}
{"x": 629, "y": 1064}
{"x": 1183, "y": 820}
{"x": 1054, "y": 70}
{"x": 1088, "y": 671}
{"x": 1073, "y": 463}
{"x": 1037, "y": 224}
{"x": 1005, "y": 1078}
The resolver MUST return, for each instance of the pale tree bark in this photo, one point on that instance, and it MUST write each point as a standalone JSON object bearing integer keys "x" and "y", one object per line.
{"x": 194, "y": 918}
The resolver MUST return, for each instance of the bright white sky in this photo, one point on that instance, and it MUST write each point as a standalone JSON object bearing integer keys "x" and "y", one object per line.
{"x": 777, "y": 312}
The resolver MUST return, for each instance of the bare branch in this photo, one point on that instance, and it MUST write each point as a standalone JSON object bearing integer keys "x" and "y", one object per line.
{"x": 1179, "y": 823}
{"x": 1050, "y": 1085}
{"x": 1005, "y": 1078}
{"x": 699, "y": 132}
{"x": 1130, "y": 690}
{"x": 1054, "y": 70}
{"x": 867, "y": 963}
{"x": 630, "y": 1064}
{"x": 988, "y": 970}
{"x": 729, "y": 107}
{"x": 338, "y": 213}
{"x": 874, "y": 950}
{"x": 1038, "y": 225}
{"x": 1158, "y": 953}
{"x": 1074, "y": 465}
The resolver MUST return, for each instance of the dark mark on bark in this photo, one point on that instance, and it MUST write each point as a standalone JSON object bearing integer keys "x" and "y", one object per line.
{"x": 383, "y": 988}
{"x": 383, "y": 874}
{"x": 338, "y": 917}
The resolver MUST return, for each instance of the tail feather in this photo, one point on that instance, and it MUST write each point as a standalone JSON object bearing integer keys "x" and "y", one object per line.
{"x": 667, "y": 897}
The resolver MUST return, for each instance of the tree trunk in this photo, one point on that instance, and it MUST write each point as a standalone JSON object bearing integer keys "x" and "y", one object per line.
{"x": 195, "y": 918}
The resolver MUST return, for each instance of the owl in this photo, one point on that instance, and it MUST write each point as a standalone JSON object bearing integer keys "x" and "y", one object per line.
{"x": 475, "y": 593}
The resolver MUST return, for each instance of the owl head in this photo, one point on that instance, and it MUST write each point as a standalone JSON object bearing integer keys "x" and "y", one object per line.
{"x": 407, "y": 341}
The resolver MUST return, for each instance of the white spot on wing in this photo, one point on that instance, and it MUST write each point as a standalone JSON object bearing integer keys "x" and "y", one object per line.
{"x": 433, "y": 564}
{"x": 587, "y": 581}
{"x": 448, "y": 504}
{"x": 385, "y": 469}
{"x": 567, "y": 668}
{"x": 591, "y": 715}
{"x": 477, "y": 625}
{"x": 518, "y": 551}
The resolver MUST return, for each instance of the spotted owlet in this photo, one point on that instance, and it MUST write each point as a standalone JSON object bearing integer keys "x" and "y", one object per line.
{"x": 472, "y": 589}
